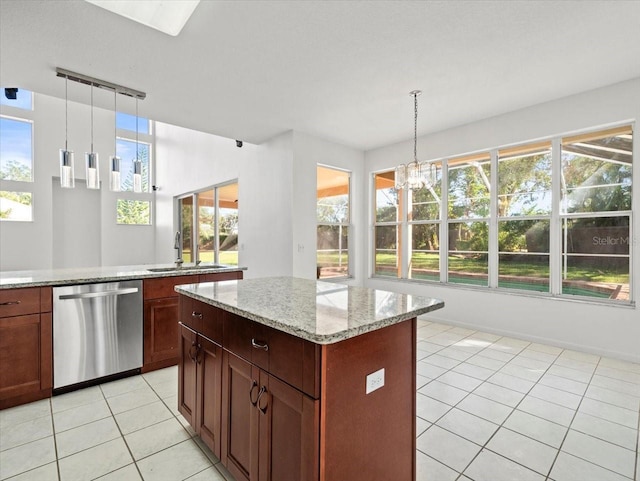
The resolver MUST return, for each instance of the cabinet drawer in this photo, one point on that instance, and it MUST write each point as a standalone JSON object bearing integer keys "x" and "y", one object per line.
{"x": 286, "y": 357}
{"x": 164, "y": 286}
{"x": 202, "y": 318}
{"x": 18, "y": 302}
{"x": 220, "y": 276}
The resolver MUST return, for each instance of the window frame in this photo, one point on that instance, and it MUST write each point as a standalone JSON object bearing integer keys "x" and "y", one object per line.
{"x": 195, "y": 224}
{"x": 346, "y": 223}
{"x": 22, "y": 115}
{"x": 556, "y": 218}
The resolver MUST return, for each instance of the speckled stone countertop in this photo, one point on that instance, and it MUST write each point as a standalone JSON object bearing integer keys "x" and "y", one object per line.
{"x": 84, "y": 275}
{"x": 320, "y": 312}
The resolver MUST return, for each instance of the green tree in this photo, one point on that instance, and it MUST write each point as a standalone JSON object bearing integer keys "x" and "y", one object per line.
{"x": 14, "y": 170}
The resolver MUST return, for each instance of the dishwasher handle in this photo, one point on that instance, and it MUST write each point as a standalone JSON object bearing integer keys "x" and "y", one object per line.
{"x": 91, "y": 295}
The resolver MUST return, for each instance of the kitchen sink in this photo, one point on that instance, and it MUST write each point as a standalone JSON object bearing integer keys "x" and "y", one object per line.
{"x": 186, "y": 268}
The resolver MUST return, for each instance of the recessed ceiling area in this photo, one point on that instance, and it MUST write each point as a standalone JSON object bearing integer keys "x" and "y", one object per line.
{"x": 341, "y": 71}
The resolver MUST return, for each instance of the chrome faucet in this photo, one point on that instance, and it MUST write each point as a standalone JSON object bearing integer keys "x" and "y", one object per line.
{"x": 178, "y": 248}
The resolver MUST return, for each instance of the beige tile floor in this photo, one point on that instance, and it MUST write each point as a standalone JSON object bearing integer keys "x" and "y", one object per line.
{"x": 489, "y": 408}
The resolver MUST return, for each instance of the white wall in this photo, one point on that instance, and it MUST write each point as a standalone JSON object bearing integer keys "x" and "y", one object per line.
{"x": 308, "y": 153}
{"x": 608, "y": 330}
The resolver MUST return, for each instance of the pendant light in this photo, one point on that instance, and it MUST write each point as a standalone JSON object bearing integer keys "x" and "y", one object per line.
{"x": 114, "y": 160}
{"x": 137, "y": 163}
{"x": 91, "y": 158}
{"x": 67, "y": 179}
{"x": 415, "y": 175}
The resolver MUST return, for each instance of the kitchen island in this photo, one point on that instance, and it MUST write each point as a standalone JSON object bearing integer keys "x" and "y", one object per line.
{"x": 291, "y": 379}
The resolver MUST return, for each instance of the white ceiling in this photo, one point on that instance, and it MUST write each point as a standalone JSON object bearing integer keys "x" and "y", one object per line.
{"x": 339, "y": 70}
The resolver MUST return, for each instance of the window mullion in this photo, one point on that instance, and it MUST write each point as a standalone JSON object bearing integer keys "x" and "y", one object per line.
{"x": 494, "y": 257}
{"x": 444, "y": 222}
{"x": 555, "y": 226}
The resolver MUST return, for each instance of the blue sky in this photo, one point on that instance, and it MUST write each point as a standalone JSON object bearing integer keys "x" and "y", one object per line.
{"x": 15, "y": 142}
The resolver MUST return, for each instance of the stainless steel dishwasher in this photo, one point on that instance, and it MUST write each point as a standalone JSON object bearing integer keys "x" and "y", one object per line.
{"x": 97, "y": 331}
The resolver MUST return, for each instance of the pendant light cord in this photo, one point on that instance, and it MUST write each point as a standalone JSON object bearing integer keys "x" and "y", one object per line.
{"x": 415, "y": 127}
{"x": 115, "y": 123}
{"x": 92, "y": 118}
{"x": 137, "y": 148}
{"x": 66, "y": 113}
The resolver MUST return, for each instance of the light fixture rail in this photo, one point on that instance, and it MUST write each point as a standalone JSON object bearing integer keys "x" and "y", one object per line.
{"x": 103, "y": 84}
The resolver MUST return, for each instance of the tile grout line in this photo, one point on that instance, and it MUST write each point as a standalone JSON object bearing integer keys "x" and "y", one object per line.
{"x": 484, "y": 446}
{"x": 557, "y": 356}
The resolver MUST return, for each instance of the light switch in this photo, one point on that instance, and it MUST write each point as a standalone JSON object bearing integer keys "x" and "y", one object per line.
{"x": 375, "y": 380}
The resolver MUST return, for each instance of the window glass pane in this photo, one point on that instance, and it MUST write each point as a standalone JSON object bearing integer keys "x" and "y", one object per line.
{"x": 333, "y": 251}
{"x": 206, "y": 226}
{"x": 596, "y": 172}
{"x": 469, "y": 187}
{"x": 332, "y": 195}
{"x": 137, "y": 212}
{"x": 23, "y": 100}
{"x": 524, "y": 254}
{"x": 228, "y": 224}
{"x": 596, "y": 257}
{"x": 468, "y": 253}
{"x": 16, "y": 206}
{"x": 186, "y": 227}
{"x": 386, "y": 260}
{"x": 425, "y": 203}
{"x": 524, "y": 181}
{"x": 16, "y": 154}
{"x": 386, "y": 198}
{"x": 128, "y": 122}
{"x": 126, "y": 150}
{"x": 425, "y": 254}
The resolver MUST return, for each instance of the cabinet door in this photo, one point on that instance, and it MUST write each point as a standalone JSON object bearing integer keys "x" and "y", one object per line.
{"x": 161, "y": 330}
{"x": 187, "y": 375}
{"x": 288, "y": 431}
{"x": 240, "y": 388}
{"x": 20, "y": 355}
{"x": 209, "y": 395}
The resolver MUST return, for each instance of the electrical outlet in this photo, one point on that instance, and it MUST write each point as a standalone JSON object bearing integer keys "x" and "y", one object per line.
{"x": 375, "y": 380}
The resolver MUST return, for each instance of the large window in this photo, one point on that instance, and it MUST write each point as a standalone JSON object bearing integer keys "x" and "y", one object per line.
{"x": 333, "y": 222}
{"x": 596, "y": 213}
{"x": 510, "y": 224}
{"x": 524, "y": 213}
{"x": 126, "y": 142}
{"x": 468, "y": 214}
{"x": 16, "y": 156}
{"x": 387, "y": 218}
{"x": 209, "y": 233}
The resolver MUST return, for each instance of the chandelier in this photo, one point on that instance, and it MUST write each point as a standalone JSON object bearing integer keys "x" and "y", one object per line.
{"x": 415, "y": 175}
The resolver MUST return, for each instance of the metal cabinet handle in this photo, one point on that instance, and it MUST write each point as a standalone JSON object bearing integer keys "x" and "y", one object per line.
{"x": 192, "y": 353}
{"x": 10, "y": 303}
{"x": 91, "y": 295}
{"x": 253, "y": 386}
{"x": 196, "y": 314}
{"x": 263, "y": 409}
{"x": 259, "y": 345}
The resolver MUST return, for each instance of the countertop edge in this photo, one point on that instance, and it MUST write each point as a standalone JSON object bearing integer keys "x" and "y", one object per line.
{"x": 315, "y": 338}
{"x": 135, "y": 274}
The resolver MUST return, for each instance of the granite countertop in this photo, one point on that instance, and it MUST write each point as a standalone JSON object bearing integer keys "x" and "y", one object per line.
{"x": 318, "y": 311}
{"x": 84, "y": 275}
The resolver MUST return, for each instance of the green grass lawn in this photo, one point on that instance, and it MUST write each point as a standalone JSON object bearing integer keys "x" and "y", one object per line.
{"x": 471, "y": 265}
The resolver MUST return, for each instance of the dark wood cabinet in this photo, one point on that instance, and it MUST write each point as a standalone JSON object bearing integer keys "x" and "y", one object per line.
{"x": 199, "y": 381}
{"x": 241, "y": 388}
{"x": 162, "y": 313}
{"x": 269, "y": 428}
{"x": 25, "y": 345}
